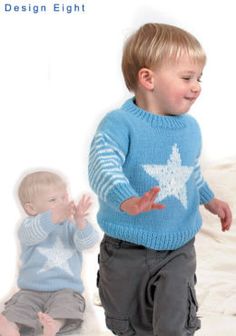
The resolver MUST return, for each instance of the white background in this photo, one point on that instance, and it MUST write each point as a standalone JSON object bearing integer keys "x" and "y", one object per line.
{"x": 60, "y": 73}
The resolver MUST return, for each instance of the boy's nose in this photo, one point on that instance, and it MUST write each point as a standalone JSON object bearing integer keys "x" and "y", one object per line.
{"x": 196, "y": 87}
{"x": 64, "y": 200}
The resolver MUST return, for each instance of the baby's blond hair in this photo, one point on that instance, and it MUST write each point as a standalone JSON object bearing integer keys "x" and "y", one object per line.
{"x": 155, "y": 43}
{"x": 34, "y": 183}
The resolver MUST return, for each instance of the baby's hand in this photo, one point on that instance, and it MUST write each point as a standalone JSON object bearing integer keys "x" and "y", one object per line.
{"x": 63, "y": 212}
{"x": 81, "y": 211}
{"x": 222, "y": 210}
{"x": 137, "y": 205}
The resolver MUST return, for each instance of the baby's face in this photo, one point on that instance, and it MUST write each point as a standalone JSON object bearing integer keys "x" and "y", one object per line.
{"x": 51, "y": 197}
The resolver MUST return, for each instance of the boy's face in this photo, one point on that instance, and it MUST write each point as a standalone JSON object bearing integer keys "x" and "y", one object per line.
{"x": 49, "y": 198}
{"x": 176, "y": 86}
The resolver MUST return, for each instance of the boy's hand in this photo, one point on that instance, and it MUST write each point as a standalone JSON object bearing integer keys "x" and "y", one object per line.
{"x": 63, "y": 212}
{"x": 222, "y": 210}
{"x": 137, "y": 205}
{"x": 81, "y": 211}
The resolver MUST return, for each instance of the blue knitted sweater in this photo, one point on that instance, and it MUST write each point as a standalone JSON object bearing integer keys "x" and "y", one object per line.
{"x": 51, "y": 254}
{"x": 134, "y": 150}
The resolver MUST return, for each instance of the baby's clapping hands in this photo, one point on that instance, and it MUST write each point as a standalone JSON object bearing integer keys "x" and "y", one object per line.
{"x": 81, "y": 211}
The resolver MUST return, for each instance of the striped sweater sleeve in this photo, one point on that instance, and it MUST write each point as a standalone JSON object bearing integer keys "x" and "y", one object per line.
{"x": 35, "y": 229}
{"x": 106, "y": 173}
{"x": 206, "y": 194}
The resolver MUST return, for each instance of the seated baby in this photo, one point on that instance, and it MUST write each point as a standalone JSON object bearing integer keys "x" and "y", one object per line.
{"x": 52, "y": 239}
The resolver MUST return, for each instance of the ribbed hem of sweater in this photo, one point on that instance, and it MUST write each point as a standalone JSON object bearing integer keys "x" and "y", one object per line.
{"x": 51, "y": 286}
{"x": 155, "y": 120}
{"x": 155, "y": 241}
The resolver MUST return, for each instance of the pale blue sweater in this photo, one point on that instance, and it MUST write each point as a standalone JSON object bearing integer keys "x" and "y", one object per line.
{"x": 134, "y": 150}
{"x": 51, "y": 257}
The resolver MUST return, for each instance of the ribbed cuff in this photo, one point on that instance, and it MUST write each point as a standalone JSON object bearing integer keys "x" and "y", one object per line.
{"x": 119, "y": 194}
{"x": 86, "y": 231}
{"x": 86, "y": 238}
{"x": 206, "y": 194}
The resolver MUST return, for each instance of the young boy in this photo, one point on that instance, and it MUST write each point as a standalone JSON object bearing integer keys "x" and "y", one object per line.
{"x": 144, "y": 167}
{"x": 52, "y": 239}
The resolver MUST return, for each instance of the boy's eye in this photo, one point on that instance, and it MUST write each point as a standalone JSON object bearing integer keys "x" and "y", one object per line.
{"x": 189, "y": 78}
{"x": 52, "y": 199}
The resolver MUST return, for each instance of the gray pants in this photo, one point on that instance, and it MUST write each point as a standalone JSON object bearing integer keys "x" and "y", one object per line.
{"x": 146, "y": 292}
{"x": 24, "y": 306}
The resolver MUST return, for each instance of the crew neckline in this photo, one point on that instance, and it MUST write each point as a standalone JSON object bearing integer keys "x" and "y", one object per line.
{"x": 155, "y": 120}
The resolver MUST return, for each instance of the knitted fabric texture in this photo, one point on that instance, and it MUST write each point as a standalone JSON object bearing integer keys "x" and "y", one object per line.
{"x": 51, "y": 257}
{"x": 134, "y": 150}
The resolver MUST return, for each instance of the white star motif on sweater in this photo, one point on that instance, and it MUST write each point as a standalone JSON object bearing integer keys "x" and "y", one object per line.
{"x": 172, "y": 177}
{"x": 57, "y": 256}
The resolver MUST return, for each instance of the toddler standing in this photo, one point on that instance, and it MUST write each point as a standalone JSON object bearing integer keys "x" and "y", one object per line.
{"x": 144, "y": 167}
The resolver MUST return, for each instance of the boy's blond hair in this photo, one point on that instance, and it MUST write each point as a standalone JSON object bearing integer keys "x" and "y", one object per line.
{"x": 155, "y": 43}
{"x": 34, "y": 183}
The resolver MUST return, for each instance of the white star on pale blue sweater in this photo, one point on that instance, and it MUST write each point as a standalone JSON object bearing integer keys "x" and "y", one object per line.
{"x": 57, "y": 256}
{"x": 172, "y": 177}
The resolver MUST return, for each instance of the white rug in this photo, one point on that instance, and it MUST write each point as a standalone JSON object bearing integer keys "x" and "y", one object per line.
{"x": 216, "y": 253}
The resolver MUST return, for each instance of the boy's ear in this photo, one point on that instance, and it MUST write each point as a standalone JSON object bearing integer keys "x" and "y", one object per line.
{"x": 29, "y": 209}
{"x": 145, "y": 78}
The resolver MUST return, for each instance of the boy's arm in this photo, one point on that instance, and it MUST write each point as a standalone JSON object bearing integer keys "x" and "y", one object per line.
{"x": 35, "y": 229}
{"x": 214, "y": 205}
{"x": 222, "y": 210}
{"x": 107, "y": 156}
{"x": 205, "y": 193}
{"x": 84, "y": 235}
{"x": 81, "y": 212}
